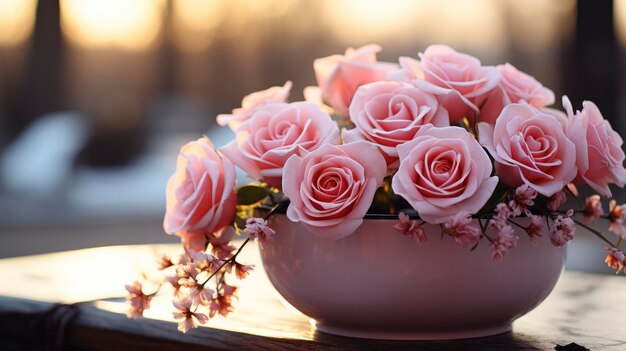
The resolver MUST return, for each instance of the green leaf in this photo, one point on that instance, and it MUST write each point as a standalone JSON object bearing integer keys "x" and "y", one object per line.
{"x": 249, "y": 195}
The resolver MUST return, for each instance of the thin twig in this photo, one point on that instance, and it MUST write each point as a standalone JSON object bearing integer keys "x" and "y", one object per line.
{"x": 517, "y": 224}
{"x": 596, "y": 233}
{"x": 483, "y": 230}
{"x": 233, "y": 258}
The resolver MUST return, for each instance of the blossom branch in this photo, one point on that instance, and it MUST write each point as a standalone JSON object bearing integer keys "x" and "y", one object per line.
{"x": 483, "y": 229}
{"x": 233, "y": 258}
{"x": 596, "y": 233}
{"x": 516, "y": 224}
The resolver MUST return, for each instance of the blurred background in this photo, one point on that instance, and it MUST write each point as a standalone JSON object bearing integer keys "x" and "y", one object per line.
{"x": 97, "y": 96}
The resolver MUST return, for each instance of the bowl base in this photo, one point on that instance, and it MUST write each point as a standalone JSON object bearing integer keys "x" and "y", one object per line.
{"x": 426, "y": 335}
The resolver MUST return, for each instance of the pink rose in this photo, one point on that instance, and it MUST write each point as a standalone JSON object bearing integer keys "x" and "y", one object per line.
{"x": 459, "y": 81}
{"x": 530, "y": 147}
{"x": 391, "y": 113}
{"x": 514, "y": 86}
{"x": 331, "y": 188}
{"x": 443, "y": 171}
{"x": 340, "y": 75}
{"x": 599, "y": 155}
{"x": 276, "y": 131}
{"x": 253, "y": 102}
{"x": 200, "y": 196}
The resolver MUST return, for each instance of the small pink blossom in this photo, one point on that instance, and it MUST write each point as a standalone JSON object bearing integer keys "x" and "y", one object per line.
{"x": 229, "y": 290}
{"x": 505, "y": 240}
{"x": 524, "y": 198}
{"x": 173, "y": 280}
{"x": 241, "y": 270}
{"x": 563, "y": 229}
{"x": 137, "y": 300}
{"x": 206, "y": 262}
{"x": 220, "y": 245}
{"x": 257, "y": 228}
{"x": 184, "y": 270}
{"x": 615, "y": 259}
{"x": 186, "y": 314}
{"x": 184, "y": 258}
{"x": 503, "y": 213}
{"x": 535, "y": 228}
{"x": 593, "y": 209}
{"x": 223, "y": 304}
{"x": 187, "y": 274}
{"x": 557, "y": 200}
{"x": 188, "y": 282}
{"x": 411, "y": 228}
{"x": 223, "y": 252}
{"x": 164, "y": 261}
{"x": 461, "y": 229}
{"x": 201, "y": 294}
{"x": 616, "y": 217}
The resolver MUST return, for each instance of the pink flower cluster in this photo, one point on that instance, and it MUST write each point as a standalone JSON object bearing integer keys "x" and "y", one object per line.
{"x": 616, "y": 217}
{"x": 615, "y": 259}
{"x": 469, "y": 147}
{"x": 257, "y": 228}
{"x": 196, "y": 296}
{"x": 445, "y": 127}
{"x": 563, "y": 229}
{"x": 460, "y": 227}
{"x": 411, "y": 228}
{"x": 501, "y": 222}
{"x": 200, "y": 281}
{"x": 505, "y": 240}
{"x": 406, "y": 111}
{"x": 137, "y": 300}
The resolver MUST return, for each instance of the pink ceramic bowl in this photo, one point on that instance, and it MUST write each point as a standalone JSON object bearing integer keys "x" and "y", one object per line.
{"x": 378, "y": 284}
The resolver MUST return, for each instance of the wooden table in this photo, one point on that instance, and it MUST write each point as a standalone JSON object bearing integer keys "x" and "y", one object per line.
{"x": 73, "y": 300}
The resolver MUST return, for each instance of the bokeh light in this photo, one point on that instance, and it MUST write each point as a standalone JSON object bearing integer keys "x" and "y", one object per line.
{"x": 16, "y": 21}
{"x": 131, "y": 25}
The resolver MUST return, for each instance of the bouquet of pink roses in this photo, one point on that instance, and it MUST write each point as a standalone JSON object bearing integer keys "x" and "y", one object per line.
{"x": 440, "y": 140}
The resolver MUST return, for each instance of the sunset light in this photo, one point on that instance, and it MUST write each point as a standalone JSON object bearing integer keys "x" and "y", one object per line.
{"x": 16, "y": 21}
{"x": 132, "y": 25}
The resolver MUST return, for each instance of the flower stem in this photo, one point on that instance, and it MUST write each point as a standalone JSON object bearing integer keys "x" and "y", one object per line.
{"x": 517, "y": 224}
{"x": 483, "y": 230}
{"x": 230, "y": 260}
{"x": 596, "y": 233}
{"x": 233, "y": 258}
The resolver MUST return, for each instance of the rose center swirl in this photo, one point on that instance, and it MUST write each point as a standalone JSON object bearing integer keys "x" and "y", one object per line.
{"x": 440, "y": 173}
{"x": 541, "y": 148}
